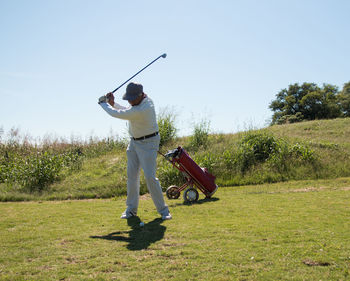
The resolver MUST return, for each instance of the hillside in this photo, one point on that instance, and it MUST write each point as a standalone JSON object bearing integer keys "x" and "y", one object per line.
{"x": 309, "y": 150}
{"x": 336, "y": 131}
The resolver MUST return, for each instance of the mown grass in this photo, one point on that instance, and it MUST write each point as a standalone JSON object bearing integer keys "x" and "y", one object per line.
{"x": 284, "y": 231}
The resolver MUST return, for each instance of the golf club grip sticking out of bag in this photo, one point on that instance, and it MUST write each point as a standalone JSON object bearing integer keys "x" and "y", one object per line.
{"x": 161, "y": 56}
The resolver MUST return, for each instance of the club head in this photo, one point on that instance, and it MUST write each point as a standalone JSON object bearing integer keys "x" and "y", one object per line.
{"x": 164, "y": 56}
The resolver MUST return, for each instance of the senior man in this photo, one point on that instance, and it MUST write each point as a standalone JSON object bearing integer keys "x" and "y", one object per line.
{"x": 142, "y": 149}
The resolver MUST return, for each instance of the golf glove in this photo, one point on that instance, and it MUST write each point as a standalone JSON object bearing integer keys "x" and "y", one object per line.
{"x": 102, "y": 99}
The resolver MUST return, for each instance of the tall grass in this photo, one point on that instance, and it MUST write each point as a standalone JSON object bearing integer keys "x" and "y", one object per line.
{"x": 166, "y": 120}
{"x": 33, "y": 167}
{"x": 254, "y": 157}
{"x": 60, "y": 169}
{"x": 200, "y": 135}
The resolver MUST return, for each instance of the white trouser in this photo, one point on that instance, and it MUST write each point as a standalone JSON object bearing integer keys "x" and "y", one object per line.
{"x": 143, "y": 154}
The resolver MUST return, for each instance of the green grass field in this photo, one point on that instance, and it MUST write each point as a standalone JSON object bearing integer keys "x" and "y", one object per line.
{"x": 284, "y": 231}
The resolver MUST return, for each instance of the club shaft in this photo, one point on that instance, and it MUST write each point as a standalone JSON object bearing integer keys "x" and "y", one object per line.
{"x": 138, "y": 73}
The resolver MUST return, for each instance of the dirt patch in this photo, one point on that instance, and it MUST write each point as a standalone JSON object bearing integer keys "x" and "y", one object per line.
{"x": 315, "y": 263}
{"x": 73, "y": 260}
{"x": 308, "y": 189}
{"x": 113, "y": 161}
{"x": 65, "y": 242}
{"x": 313, "y": 189}
{"x": 146, "y": 196}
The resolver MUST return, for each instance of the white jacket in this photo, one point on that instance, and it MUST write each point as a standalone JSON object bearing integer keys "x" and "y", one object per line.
{"x": 142, "y": 118}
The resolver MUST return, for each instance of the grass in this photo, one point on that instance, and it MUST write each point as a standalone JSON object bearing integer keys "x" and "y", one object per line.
{"x": 306, "y": 150}
{"x": 326, "y": 131}
{"x": 284, "y": 231}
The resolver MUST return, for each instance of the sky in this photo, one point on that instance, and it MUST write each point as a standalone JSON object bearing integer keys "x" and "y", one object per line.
{"x": 226, "y": 60}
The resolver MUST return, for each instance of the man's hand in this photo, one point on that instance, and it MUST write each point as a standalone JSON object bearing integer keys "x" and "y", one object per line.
{"x": 102, "y": 99}
{"x": 110, "y": 98}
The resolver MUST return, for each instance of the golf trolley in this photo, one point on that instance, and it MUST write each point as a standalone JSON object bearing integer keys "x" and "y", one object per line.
{"x": 196, "y": 177}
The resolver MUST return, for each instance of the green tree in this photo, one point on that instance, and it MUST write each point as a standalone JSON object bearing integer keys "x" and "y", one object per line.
{"x": 305, "y": 102}
{"x": 321, "y": 104}
{"x": 287, "y": 104}
{"x": 344, "y": 100}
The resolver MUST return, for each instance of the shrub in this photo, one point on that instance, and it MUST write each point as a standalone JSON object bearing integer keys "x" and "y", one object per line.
{"x": 255, "y": 148}
{"x": 38, "y": 169}
{"x": 229, "y": 158}
{"x": 260, "y": 147}
{"x": 169, "y": 175}
{"x": 207, "y": 160}
{"x": 166, "y": 124}
{"x": 302, "y": 152}
{"x": 200, "y": 135}
{"x": 34, "y": 167}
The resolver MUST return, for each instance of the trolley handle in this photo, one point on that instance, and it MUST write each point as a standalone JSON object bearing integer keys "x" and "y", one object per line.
{"x": 170, "y": 154}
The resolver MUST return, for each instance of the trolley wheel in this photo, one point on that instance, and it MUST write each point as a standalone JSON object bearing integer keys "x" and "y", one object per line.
{"x": 173, "y": 192}
{"x": 191, "y": 195}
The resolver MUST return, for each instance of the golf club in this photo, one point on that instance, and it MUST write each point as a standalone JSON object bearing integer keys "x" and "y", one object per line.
{"x": 161, "y": 56}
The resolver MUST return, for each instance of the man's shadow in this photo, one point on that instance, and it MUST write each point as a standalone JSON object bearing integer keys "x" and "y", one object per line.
{"x": 139, "y": 238}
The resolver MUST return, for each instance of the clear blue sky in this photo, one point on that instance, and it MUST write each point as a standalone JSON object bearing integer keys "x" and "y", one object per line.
{"x": 226, "y": 59}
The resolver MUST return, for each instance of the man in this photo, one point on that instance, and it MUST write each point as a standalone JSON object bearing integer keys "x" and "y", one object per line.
{"x": 143, "y": 146}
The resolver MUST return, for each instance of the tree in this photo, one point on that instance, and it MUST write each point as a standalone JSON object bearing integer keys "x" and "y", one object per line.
{"x": 344, "y": 100}
{"x": 321, "y": 104}
{"x": 288, "y": 103}
{"x": 305, "y": 102}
